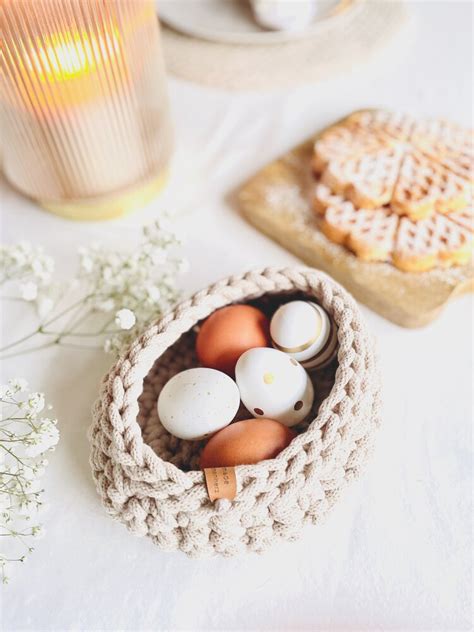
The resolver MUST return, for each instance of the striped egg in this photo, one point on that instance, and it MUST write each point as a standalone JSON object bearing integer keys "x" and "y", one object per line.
{"x": 304, "y": 331}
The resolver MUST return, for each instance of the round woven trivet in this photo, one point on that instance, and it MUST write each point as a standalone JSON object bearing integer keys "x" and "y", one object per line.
{"x": 146, "y": 477}
{"x": 353, "y": 39}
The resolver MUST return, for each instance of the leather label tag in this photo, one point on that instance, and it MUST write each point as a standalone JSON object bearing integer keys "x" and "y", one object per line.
{"x": 221, "y": 482}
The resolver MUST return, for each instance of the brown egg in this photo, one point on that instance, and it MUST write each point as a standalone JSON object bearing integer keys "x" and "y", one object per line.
{"x": 246, "y": 442}
{"x": 228, "y": 333}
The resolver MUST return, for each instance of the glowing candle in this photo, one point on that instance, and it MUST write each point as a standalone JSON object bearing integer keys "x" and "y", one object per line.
{"x": 84, "y": 113}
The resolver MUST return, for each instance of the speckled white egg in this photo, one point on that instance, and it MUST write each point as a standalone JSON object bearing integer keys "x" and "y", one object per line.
{"x": 274, "y": 386}
{"x": 304, "y": 331}
{"x": 197, "y": 402}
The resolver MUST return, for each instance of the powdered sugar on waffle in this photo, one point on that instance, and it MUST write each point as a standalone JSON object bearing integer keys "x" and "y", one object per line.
{"x": 433, "y": 241}
{"x": 341, "y": 141}
{"x": 464, "y": 217}
{"x": 368, "y": 233}
{"x": 424, "y": 186}
{"x": 292, "y": 202}
{"x": 324, "y": 197}
{"x": 378, "y": 201}
{"x": 368, "y": 179}
{"x": 396, "y": 124}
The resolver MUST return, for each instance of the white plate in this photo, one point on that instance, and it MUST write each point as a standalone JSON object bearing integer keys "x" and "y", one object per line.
{"x": 232, "y": 21}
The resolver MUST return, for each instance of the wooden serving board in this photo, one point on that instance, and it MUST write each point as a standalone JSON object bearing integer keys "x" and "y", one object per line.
{"x": 277, "y": 201}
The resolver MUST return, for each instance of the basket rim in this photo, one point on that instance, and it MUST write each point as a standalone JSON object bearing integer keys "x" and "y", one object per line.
{"x": 142, "y": 354}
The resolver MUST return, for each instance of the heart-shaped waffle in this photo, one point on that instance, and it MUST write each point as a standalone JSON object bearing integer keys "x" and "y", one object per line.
{"x": 324, "y": 197}
{"x": 464, "y": 217}
{"x": 340, "y": 141}
{"x": 368, "y": 179}
{"x": 425, "y": 186}
{"x": 391, "y": 188}
{"x": 369, "y": 233}
{"x": 397, "y": 125}
{"x": 435, "y": 241}
{"x": 377, "y": 157}
{"x": 453, "y": 148}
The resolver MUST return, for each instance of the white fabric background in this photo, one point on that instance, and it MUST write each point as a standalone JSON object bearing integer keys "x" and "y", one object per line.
{"x": 396, "y": 553}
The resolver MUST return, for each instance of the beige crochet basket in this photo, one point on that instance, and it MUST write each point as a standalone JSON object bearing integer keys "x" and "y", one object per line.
{"x": 150, "y": 480}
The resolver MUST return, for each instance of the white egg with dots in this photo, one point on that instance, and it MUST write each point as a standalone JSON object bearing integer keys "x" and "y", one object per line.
{"x": 196, "y": 403}
{"x": 273, "y": 385}
{"x": 304, "y": 331}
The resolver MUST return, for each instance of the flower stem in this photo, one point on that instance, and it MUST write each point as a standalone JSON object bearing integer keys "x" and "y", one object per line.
{"x": 67, "y": 310}
{"x": 80, "y": 334}
{"x": 15, "y": 456}
{"x": 40, "y": 328}
{"x": 28, "y": 350}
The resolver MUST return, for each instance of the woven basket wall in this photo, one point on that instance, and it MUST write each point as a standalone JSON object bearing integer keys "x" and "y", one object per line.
{"x": 150, "y": 481}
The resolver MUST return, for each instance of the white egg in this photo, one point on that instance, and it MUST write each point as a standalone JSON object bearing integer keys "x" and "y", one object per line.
{"x": 304, "y": 331}
{"x": 197, "y": 403}
{"x": 273, "y": 385}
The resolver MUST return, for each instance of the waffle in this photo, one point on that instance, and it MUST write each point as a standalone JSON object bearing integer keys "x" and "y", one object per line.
{"x": 425, "y": 186}
{"x": 369, "y": 233}
{"x": 431, "y": 242}
{"x": 342, "y": 141}
{"x": 451, "y": 148}
{"x": 324, "y": 197}
{"x": 368, "y": 180}
{"x": 396, "y": 125}
{"x": 464, "y": 217}
{"x": 391, "y": 188}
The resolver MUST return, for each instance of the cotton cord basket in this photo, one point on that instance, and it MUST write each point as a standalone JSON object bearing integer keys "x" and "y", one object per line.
{"x": 150, "y": 480}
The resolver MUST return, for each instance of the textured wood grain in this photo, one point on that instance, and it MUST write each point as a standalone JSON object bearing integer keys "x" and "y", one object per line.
{"x": 277, "y": 201}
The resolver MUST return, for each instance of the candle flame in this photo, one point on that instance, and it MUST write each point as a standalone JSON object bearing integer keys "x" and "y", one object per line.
{"x": 59, "y": 57}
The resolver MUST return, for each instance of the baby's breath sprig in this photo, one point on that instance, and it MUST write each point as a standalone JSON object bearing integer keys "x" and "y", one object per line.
{"x": 26, "y": 435}
{"x": 116, "y": 293}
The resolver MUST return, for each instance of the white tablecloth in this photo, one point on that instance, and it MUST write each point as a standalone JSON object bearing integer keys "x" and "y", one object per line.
{"x": 396, "y": 552}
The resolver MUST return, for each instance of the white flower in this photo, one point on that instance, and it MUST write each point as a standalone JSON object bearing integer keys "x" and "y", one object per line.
{"x": 44, "y": 440}
{"x": 42, "y": 465}
{"x": 6, "y": 569}
{"x": 125, "y": 319}
{"x": 29, "y": 291}
{"x": 6, "y": 391}
{"x": 27, "y": 437}
{"x": 42, "y": 268}
{"x": 141, "y": 281}
{"x": 18, "y": 384}
{"x": 38, "y": 532}
{"x": 36, "y": 402}
{"x": 154, "y": 292}
{"x": 159, "y": 256}
{"x": 87, "y": 263}
{"x": 27, "y": 266}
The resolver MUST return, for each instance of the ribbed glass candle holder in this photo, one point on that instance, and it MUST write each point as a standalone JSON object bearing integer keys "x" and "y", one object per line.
{"x": 84, "y": 115}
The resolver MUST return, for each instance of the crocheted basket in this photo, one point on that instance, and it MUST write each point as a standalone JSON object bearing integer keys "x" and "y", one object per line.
{"x": 151, "y": 481}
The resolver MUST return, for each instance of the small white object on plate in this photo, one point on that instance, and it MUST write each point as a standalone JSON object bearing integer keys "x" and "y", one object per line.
{"x": 198, "y": 402}
{"x": 233, "y": 21}
{"x": 304, "y": 331}
{"x": 274, "y": 385}
{"x": 284, "y": 15}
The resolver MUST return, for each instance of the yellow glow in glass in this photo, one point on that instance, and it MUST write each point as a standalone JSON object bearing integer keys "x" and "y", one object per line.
{"x": 62, "y": 57}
